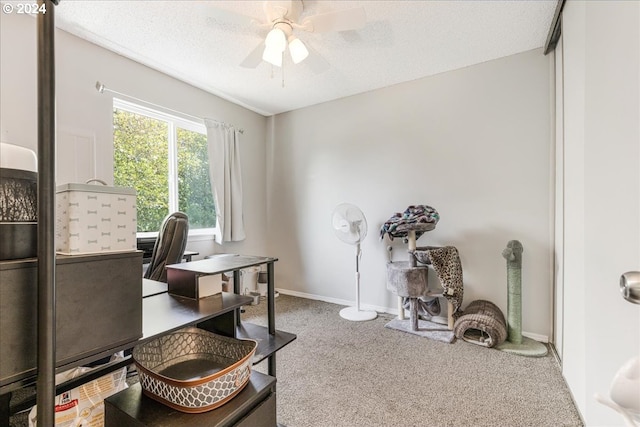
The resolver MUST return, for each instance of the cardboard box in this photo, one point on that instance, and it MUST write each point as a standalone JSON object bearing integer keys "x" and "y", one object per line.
{"x": 95, "y": 219}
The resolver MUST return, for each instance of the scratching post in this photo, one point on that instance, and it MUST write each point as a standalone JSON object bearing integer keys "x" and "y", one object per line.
{"x": 516, "y": 343}
{"x": 513, "y": 255}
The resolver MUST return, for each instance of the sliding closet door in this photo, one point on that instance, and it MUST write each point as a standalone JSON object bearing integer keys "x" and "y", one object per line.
{"x": 601, "y": 196}
{"x": 558, "y": 311}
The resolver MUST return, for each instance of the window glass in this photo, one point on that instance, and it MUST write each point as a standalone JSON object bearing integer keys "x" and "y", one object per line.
{"x": 165, "y": 159}
{"x": 194, "y": 186}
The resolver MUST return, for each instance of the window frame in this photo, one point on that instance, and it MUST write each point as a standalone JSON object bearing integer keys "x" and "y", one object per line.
{"x": 173, "y": 122}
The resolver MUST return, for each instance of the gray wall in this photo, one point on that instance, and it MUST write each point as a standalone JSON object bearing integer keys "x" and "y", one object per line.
{"x": 475, "y": 143}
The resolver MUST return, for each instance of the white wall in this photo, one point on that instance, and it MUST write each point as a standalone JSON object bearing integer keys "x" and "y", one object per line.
{"x": 86, "y": 115}
{"x": 601, "y": 44}
{"x": 473, "y": 143}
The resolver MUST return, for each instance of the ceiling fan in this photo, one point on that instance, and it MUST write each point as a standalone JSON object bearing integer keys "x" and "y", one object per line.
{"x": 284, "y": 19}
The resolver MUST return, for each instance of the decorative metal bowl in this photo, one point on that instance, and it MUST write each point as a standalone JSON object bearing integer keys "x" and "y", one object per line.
{"x": 193, "y": 370}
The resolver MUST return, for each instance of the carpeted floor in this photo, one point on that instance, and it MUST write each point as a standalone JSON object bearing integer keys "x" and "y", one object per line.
{"x": 344, "y": 373}
{"x": 340, "y": 373}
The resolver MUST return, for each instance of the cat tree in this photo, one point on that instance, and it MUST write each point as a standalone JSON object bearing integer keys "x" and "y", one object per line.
{"x": 409, "y": 279}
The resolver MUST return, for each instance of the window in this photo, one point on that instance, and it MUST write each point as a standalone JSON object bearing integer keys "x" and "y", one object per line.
{"x": 164, "y": 158}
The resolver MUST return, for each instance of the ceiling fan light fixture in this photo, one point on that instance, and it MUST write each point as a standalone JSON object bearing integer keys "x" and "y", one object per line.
{"x": 276, "y": 40}
{"x": 297, "y": 49}
{"x": 272, "y": 56}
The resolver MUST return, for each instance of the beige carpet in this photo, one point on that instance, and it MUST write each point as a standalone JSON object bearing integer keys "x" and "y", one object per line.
{"x": 343, "y": 373}
{"x": 339, "y": 373}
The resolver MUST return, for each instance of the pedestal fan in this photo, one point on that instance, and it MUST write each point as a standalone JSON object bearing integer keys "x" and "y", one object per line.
{"x": 350, "y": 225}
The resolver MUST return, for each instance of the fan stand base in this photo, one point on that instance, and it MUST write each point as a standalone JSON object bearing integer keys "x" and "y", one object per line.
{"x": 353, "y": 313}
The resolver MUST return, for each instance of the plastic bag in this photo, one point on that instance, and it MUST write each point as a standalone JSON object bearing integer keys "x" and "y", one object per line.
{"x": 83, "y": 406}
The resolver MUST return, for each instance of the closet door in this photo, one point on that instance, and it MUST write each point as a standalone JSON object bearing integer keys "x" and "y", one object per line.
{"x": 559, "y": 203}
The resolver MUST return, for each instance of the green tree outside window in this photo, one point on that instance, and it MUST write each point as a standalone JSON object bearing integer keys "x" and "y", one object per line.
{"x": 142, "y": 160}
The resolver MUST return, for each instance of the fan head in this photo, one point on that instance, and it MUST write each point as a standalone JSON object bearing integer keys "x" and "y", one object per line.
{"x": 349, "y": 223}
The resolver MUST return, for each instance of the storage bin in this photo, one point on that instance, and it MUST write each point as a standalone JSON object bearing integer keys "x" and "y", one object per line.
{"x": 18, "y": 202}
{"x": 193, "y": 370}
{"x": 95, "y": 218}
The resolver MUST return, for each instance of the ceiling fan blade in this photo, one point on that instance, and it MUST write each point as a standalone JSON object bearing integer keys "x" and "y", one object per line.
{"x": 339, "y": 20}
{"x": 275, "y": 10}
{"x": 222, "y": 16}
{"x": 254, "y": 58}
{"x": 316, "y": 62}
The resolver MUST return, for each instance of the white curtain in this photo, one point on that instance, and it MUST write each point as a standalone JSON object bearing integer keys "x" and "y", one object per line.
{"x": 223, "y": 147}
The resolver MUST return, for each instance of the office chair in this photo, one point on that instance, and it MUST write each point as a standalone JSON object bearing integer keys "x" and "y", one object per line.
{"x": 169, "y": 247}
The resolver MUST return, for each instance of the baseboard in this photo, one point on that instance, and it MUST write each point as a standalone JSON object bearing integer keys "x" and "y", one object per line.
{"x": 338, "y": 301}
{"x": 537, "y": 337}
{"x": 379, "y": 309}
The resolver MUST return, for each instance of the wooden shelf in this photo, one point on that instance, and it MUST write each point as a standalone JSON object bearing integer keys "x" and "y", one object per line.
{"x": 219, "y": 265}
{"x": 267, "y": 344}
{"x": 164, "y": 313}
{"x": 253, "y": 406}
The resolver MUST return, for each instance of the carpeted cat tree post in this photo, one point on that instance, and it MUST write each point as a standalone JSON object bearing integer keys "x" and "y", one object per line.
{"x": 516, "y": 343}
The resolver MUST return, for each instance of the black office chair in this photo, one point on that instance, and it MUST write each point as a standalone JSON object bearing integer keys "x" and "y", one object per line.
{"x": 169, "y": 247}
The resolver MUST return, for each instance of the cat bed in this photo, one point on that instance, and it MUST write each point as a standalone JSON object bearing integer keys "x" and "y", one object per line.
{"x": 418, "y": 218}
{"x": 482, "y": 323}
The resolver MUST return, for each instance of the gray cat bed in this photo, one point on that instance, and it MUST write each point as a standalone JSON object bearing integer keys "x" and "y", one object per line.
{"x": 482, "y": 323}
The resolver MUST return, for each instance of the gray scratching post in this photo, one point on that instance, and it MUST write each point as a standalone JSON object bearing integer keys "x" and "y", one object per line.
{"x": 513, "y": 255}
{"x": 516, "y": 343}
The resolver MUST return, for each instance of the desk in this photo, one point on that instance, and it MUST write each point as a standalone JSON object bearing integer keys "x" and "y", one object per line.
{"x": 152, "y": 287}
{"x": 188, "y": 255}
{"x": 269, "y": 339}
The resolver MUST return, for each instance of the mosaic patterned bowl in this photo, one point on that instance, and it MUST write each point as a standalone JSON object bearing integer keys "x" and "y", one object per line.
{"x": 193, "y": 370}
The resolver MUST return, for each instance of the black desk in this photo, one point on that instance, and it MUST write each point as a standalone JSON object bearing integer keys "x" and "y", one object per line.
{"x": 269, "y": 339}
{"x": 188, "y": 255}
{"x": 152, "y": 287}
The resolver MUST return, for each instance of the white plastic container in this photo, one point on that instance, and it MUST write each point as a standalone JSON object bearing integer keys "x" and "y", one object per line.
{"x": 249, "y": 279}
{"x": 95, "y": 218}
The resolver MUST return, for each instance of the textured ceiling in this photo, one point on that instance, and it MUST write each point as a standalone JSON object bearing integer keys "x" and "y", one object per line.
{"x": 402, "y": 41}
